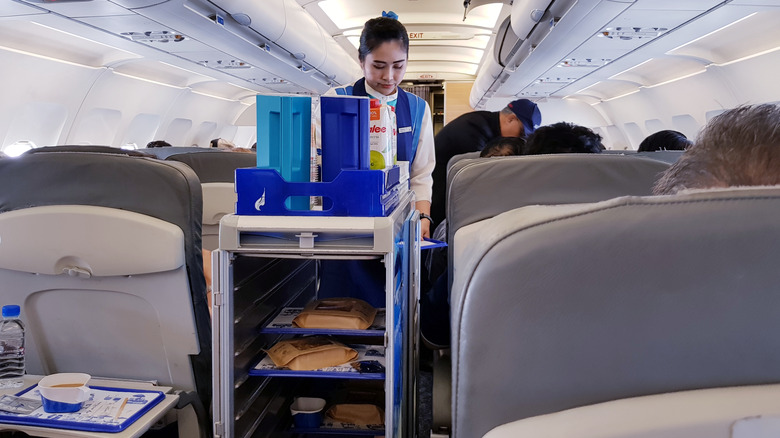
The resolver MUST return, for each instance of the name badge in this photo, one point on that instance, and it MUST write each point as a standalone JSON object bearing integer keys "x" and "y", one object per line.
{"x": 404, "y": 129}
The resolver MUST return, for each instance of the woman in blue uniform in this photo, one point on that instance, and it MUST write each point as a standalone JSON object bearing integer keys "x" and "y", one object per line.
{"x": 383, "y": 55}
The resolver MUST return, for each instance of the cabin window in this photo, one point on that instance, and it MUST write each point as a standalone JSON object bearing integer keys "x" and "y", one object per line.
{"x": 177, "y": 131}
{"x": 98, "y": 126}
{"x": 686, "y": 124}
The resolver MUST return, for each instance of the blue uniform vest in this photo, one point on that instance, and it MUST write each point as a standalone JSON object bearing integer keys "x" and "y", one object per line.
{"x": 365, "y": 279}
{"x": 409, "y": 111}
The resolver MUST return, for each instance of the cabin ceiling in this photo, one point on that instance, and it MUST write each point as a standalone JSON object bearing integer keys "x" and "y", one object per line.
{"x": 590, "y": 50}
{"x": 276, "y": 46}
{"x": 447, "y": 41}
{"x": 596, "y": 51}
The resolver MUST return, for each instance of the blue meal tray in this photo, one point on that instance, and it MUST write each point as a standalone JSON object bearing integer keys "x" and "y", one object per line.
{"x": 135, "y": 402}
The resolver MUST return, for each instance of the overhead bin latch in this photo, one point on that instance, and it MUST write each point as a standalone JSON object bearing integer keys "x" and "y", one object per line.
{"x": 77, "y": 271}
{"x": 306, "y": 240}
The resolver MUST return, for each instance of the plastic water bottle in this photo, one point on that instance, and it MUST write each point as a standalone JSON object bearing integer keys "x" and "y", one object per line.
{"x": 11, "y": 348}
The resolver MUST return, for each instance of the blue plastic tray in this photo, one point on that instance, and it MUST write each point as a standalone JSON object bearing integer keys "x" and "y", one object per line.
{"x": 352, "y": 193}
{"x": 144, "y": 400}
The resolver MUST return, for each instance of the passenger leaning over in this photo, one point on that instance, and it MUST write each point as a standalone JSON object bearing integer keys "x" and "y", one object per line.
{"x": 740, "y": 147}
{"x": 470, "y": 133}
{"x": 383, "y": 56}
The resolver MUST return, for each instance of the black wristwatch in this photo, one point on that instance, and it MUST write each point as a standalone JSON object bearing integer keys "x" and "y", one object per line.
{"x": 425, "y": 216}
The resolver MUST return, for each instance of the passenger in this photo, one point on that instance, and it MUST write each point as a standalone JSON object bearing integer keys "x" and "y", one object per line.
{"x": 563, "y": 138}
{"x": 470, "y": 132}
{"x": 502, "y": 147}
{"x": 666, "y": 140}
{"x": 157, "y": 144}
{"x": 740, "y": 147}
{"x": 383, "y": 56}
{"x": 221, "y": 143}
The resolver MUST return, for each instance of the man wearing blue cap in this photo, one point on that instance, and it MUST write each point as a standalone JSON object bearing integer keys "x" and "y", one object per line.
{"x": 470, "y": 133}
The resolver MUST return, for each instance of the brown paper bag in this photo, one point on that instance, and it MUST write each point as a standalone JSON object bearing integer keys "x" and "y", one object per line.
{"x": 336, "y": 313}
{"x": 310, "y": 353}
{"x": 358, "y": 414}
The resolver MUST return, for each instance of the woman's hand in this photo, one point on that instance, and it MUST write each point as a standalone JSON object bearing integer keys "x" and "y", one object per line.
{"x": 426, "y": 227}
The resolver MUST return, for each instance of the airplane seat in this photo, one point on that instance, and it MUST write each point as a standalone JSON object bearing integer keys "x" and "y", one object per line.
{"x": 465, "y": 156}
{"x": 479, "y": 189}
{"x": 88, "y": 148}
{"x": 735, "y": 412}
{"x": 558, "y": 307}
{"x": 619, "y": 151}
{"x": 166, "y": 151}
{"x": 216, "y": 170}
{"x": 670, "y": 157}
{"x": 103, "y": 253}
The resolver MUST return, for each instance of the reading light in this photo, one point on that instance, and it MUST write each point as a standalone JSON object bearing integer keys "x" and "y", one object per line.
{"x": 18, "y": 148}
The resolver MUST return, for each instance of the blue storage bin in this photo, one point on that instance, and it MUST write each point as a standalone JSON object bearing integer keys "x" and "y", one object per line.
{"x": 344, "y": 132}
{"x": 351, "y": 193}
{"x": 284, "y": 139}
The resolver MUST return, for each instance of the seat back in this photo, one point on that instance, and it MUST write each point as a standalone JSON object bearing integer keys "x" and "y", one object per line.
{"x": 735, "y": 412}
{"x": 482, "y": 188}
{"x": 563, "y": 306}
{"x": 103, "y": 253}
{"x": 216, "y": 170}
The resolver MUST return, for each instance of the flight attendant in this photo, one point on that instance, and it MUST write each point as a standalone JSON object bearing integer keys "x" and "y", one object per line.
{"x": 383, "y": 55}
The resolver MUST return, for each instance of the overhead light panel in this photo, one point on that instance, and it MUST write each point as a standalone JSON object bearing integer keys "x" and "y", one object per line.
{"x": 584, "y": 62}
{"x": 633, "y": 33}
{"x": 154, "y": 37}
{"x": 225, "y": 64}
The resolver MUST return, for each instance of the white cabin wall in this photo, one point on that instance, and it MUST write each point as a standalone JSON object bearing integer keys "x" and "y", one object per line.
{"x": 33, "y": 83}
{"x": 52, "y": 102}
{"x": 570, "y": 110}
{"x": 245, "y": 136}
{"x": 248, "y": 117}
{"x": 687, "y": 104}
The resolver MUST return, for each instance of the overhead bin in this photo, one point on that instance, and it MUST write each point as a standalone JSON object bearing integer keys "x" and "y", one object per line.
{"x": 277, "y": 36}
{"x": 283, "y": 22}
{"x": 287, "y": 24}
{"x": 525, "y": 14}
{"x": 572, "y": 22}
{"x": 487, "y": 75}
{"x": 507, "y": 43}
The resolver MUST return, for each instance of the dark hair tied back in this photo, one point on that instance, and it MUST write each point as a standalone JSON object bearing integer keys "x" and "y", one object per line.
{"x": 380, "y": 30}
